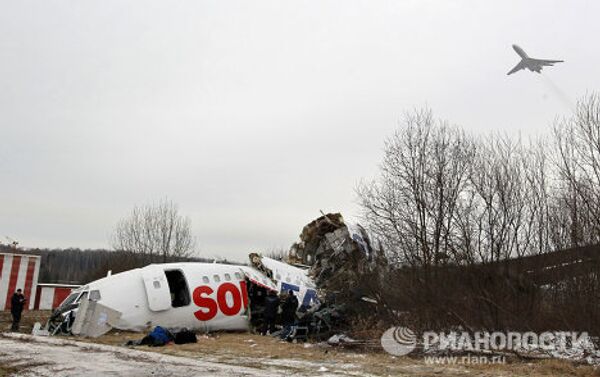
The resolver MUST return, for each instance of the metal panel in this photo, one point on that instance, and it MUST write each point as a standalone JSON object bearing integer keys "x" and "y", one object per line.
{"x": 157, "y": 288}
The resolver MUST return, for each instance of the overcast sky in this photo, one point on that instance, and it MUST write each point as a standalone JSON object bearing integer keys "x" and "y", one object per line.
{"x": 253, "y": 115}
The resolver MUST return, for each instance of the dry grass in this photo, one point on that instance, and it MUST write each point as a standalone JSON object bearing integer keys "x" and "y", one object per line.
{"x": 563, "y": 368}
{"x": 235, "y": 344}
{"x": 254, "y": 351}
{"x": 28, "y": 318}
{"x": 6, "y": 370}
{"x": 257, "y": 351}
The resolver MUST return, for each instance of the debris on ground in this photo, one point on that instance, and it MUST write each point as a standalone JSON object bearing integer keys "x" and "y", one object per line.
{"x": 324, "y": 320}
{"x": 38, "y": 330}
{"x": 160, "y": 336}
{"x": 185, "y": 336}
{"x": 341, "y": 340}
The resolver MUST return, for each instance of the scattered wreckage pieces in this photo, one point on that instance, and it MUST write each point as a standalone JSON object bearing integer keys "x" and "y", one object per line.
{"x": 325, "y": 320}
{"x": 336, "y": 251}
{"x": 256, "y": 261}
{"x": 87, "y": 319}
{"x": 337, "y": 256}
{"x": 93, "y": 319}
{"x": 311, "y": 236}
{"x": 346, "y": 269}
{"x": 342, "y": 340}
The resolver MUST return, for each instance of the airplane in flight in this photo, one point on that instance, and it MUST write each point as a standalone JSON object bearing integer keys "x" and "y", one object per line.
{"x": 534, "y": 65}
{"x": 196, "y": 296}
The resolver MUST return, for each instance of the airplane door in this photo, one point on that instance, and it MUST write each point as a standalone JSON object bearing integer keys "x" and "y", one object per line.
{"x": 157, "y": 288}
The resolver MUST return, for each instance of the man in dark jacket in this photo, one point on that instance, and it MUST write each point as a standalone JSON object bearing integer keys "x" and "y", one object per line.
{"x": 270, "y": 312}
{"x": 288, "y": 314}
{"x": 16, "y": 308}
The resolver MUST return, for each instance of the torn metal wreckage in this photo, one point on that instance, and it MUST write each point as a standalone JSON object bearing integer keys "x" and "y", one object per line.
{"x": 211, "y": 296}
{"x": 336, "y": 251}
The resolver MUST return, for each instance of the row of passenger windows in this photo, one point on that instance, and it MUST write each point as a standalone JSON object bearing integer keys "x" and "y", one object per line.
{"x": 287, "y": 278}
{"x": 238, "y": 276}
{"x": 217, "y": 278}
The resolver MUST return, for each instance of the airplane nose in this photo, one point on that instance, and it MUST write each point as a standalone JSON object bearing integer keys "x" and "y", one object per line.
{"x": 518, "y": 50}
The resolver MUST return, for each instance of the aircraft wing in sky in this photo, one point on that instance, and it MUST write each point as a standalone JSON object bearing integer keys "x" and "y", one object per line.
{"x": 517, "y": 67}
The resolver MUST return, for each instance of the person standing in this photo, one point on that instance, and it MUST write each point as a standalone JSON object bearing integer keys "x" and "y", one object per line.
{"x": 16, "y": 308}
{"x": 288, "y": 314}
{"x": 270, "y": 312}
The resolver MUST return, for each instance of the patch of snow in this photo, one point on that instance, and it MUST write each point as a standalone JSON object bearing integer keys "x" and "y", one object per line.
{"x": 43, "y": 356}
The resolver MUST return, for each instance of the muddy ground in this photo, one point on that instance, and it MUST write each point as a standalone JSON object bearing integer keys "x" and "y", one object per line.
{"x": 245, "y": 354}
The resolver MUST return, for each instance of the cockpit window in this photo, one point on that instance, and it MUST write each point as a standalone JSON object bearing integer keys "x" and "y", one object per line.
{"x": 70, "y": 299}
{"x": 82, "y": 297}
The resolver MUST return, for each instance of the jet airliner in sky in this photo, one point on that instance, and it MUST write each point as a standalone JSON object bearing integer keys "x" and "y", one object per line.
{"x": 534, "y": 65}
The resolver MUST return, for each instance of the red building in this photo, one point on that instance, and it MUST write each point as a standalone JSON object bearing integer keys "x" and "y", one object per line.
{"x": 18, "y": 271}
{"x": 49, "y": 296}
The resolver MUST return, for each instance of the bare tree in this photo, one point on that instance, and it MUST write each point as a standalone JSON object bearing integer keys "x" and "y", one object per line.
{"x": 539, "y": 177}
{"x": 156, "y": 231}
{"x": 504, "y": 211}
{"x": 578, "y": 168}
{"x": 443, "y": 196}
{"x": 412, "y": 207}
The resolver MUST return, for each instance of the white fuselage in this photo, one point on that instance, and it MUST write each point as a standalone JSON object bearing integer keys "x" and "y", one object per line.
{"x": 213, "y": 296}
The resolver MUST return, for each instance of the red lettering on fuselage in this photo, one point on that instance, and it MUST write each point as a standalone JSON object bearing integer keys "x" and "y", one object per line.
{"x": 204, "y": 302}
{"x": 202, "y": 299}
{"x": 244, "y": 293}
{"x": 222, "y": 299}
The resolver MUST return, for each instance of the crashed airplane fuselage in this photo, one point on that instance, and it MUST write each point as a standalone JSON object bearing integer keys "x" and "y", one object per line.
{"x": 197, "y": 296}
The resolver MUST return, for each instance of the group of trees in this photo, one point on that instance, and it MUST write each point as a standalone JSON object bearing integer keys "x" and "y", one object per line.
{"x": 78, "y": 266}
{"x": 448, "y": 206}
{"x": 445, "y": 196}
